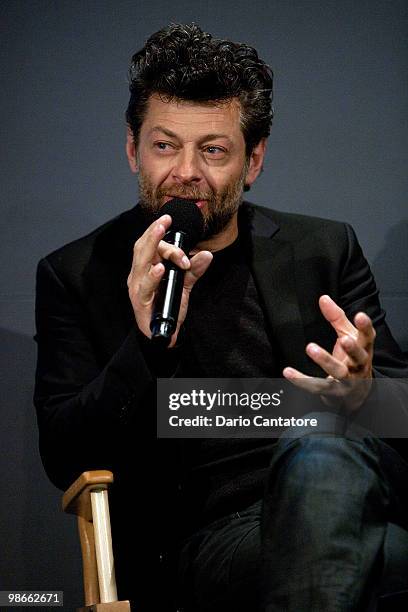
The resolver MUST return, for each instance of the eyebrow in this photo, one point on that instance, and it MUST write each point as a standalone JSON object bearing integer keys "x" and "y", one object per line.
{"x": 170, "y": 134}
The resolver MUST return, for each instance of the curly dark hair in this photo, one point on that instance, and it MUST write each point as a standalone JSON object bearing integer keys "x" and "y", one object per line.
{"x": 183, "y": 62}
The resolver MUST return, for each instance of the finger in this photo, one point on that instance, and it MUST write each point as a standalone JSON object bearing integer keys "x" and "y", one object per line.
{"x": 336, "y": 316}
{"x": 352, "y": 392}
{"x": 366, "y": 330}
{"x": 315, "y": 385}
{"x": 199, "y": 264}
{"x": 358, "y": 357}
{"x": 174, "y": 254}
{"x": 149, "y": 284}
{"x": 332, "y": 366}
{"x": 145, "y": 248}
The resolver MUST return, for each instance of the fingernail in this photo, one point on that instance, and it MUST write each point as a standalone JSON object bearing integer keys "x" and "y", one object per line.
{"x": 185, "y": 261}
{"x": 313, "y": 348}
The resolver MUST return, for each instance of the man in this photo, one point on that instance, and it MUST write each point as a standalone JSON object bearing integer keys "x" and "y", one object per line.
{"x": 300, "y": 524}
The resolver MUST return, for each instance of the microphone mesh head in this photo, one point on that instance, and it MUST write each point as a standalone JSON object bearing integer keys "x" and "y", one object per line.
{"x": 186, "y": 217}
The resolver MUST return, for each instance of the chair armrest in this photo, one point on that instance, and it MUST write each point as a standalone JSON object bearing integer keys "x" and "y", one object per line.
{"x": 77, "y": 500}
{"x": 87, "y": 498}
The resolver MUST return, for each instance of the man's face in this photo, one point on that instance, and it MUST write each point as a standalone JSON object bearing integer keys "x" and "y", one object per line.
{"x": 194, "y": 151}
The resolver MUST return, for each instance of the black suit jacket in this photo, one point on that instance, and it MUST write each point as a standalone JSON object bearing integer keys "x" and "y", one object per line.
{"x": 91, "y": 373}
{"x": 93, "y": 384}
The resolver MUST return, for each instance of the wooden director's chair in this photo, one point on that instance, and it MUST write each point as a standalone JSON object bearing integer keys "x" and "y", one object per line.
{"x": 87, "y": 497}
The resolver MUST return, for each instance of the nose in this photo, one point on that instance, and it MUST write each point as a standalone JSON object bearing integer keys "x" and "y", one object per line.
{"x": 187, "y": 167}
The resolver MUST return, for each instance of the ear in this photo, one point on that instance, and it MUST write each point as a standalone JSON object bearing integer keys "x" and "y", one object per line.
{"x": 131, "y": 150}
{"x": 255, "y": 162}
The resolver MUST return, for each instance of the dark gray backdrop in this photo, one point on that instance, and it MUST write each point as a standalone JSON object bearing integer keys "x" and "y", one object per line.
{"x": 337, "y": 149}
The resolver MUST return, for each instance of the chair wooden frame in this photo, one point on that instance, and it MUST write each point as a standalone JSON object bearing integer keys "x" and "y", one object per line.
{"x": 87, "y": 498}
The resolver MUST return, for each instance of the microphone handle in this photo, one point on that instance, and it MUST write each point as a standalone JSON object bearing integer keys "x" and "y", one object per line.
{"x": 168, "y": 298}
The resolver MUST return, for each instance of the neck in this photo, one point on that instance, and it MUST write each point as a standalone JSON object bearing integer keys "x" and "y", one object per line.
{"x": 220, "y": 241}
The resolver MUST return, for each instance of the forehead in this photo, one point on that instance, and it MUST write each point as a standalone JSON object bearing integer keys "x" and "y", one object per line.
{"x": 193, "y": 119}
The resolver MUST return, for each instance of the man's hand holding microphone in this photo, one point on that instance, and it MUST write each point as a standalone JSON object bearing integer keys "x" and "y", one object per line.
{"x": 162, "y": 276}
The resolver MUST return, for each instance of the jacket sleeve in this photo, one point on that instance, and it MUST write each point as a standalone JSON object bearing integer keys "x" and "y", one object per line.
{"x": 359, "y": 293}
{"x": 83, "y": 407}
{"x": 386, "y": 409}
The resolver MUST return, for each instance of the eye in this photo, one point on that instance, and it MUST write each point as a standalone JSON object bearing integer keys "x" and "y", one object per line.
{"x": 214, "y": 151}
{"x": 162, "y": 146}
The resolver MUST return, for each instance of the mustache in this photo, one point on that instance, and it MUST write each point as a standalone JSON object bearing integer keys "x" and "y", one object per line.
{"x": 187, "y": 192}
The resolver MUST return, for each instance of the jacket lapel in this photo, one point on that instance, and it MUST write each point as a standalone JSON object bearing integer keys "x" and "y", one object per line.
{"x": 273, "y": 268}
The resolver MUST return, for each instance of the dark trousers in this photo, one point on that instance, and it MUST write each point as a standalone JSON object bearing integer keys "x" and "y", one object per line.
{"x": 315, "y": 542}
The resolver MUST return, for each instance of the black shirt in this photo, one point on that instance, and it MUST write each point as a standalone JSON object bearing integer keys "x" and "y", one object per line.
{"x": 224, "y": 337}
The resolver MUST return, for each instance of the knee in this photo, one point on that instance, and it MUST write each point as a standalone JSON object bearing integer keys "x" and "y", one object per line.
{"x": 316, "y": 460}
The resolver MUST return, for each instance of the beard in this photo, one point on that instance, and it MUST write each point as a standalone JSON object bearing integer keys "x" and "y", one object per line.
{"x": 220, "y": 206}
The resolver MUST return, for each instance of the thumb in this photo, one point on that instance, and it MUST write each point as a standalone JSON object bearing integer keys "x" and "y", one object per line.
{"x": 199, "y": 264}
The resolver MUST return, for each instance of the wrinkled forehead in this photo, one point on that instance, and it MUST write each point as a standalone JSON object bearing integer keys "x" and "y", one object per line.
{"x": 192, "y": 119}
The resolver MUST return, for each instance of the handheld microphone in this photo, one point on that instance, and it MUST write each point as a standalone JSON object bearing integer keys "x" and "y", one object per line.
{"x": 186, "y": 230}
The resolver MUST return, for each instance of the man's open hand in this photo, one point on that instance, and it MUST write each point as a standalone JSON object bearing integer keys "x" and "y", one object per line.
{"x": 350, "y": 362}
{"x": 147, "y": 271}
